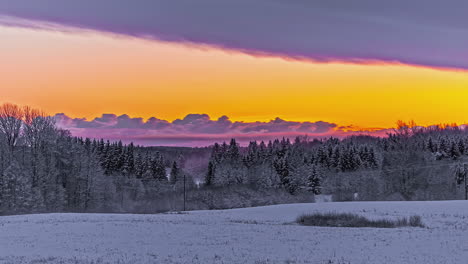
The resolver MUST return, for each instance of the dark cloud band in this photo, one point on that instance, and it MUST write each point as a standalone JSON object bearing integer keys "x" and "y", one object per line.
{"x": 431, "y": 33}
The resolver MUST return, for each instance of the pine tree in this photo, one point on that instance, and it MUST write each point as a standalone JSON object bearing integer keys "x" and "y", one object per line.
{"x": 314, "y": 180}
{"x": 158, "y": 168}
{"x": 233, "y": 151}
{"x": 322, "y": 157}
{"x": 454, "y": 152}
{"x": 216, "y": 154}
{"x": 461, "y": 147}
{"x": 283, "y": 170}
{"x": 335, "y": 159}
{"x": 443, "y": 148}
{"x": 431, "y": 146}
{"x": 120, "y": 157}
{"x": 372, "y": 161}
{"x": 139, "y": 166}
{"x": 106, "y": 160}
{"x": 130, "y": 159}
{"x": 210, "y": 174}
{"x": 175, "y": 171}
{"x": 252, "y": 154}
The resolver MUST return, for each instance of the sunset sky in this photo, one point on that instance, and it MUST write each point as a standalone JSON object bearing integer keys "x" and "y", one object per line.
{"x": 354, "y": 68}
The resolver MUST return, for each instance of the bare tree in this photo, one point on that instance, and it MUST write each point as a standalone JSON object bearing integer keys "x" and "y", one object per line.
{"x": 10, "y": 124}
{"x": 38, "y": 128}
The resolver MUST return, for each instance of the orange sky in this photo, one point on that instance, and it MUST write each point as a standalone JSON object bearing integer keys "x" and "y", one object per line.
{"x": 87, "y": 74}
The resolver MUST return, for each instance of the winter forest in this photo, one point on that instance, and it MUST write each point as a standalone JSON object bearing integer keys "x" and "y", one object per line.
{"x": 45, "y": 169}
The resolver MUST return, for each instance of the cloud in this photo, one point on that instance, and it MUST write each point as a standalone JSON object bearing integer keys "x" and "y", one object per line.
{"x": 431, "y": 33}
{"x": 198, "y": 129}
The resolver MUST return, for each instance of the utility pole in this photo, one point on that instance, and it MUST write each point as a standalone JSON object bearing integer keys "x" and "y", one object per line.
{"x": 184, "y": 192}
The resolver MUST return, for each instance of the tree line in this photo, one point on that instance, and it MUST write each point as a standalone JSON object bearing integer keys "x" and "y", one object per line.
{"x": 397, "y": 164}
{"x": 45, "y": 169}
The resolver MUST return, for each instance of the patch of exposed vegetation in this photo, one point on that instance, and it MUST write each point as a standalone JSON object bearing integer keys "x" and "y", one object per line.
{"x": 354, "y": 220}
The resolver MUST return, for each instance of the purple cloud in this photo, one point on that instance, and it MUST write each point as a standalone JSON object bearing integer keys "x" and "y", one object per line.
{"x": 196, "y": 129}
{"x": 431, "y": 33}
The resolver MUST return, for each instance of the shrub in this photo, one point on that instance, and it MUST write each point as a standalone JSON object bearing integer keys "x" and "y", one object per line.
{"x": 416, "y": 220}
{"x": 354, "y": 220}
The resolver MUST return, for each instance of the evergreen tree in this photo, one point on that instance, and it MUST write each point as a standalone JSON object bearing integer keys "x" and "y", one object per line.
{"x": 335, "y": 159}
{"x": 283, "y": 170}
{"x": 158, "y": 168}
{"x": 139, "y": 166}
{"x": 314, "y": 180}
{"x": 322, "y": 157}
{"x": 175, "y": 171}
{"x": 233, "y": 151}
{"x": 461, "y": 147}
{"x": 431, "y": 146}
{"x": 443, "y": 148}
{"x": 454, "y": 152}
{"x": 210, "y": 174}
{"x": 372, "y": 159}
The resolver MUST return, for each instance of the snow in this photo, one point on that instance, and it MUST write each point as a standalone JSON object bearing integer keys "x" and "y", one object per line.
{"x": 249, "y": 235}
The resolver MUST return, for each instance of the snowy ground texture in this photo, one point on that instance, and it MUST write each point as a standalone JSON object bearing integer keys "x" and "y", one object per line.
{"x": 250, "y": 235}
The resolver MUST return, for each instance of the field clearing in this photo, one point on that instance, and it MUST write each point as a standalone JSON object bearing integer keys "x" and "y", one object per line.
{"x": 249, "y": 235}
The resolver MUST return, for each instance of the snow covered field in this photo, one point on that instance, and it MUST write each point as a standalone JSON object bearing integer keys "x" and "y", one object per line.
{"x": 250, "y": 235}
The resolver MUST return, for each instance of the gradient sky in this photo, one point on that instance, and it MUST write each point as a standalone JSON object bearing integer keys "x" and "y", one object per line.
{"x": 353, "y": 67}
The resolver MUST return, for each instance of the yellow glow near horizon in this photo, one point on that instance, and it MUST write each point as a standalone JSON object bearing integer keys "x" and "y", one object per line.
{"x": 87, "y": 74}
